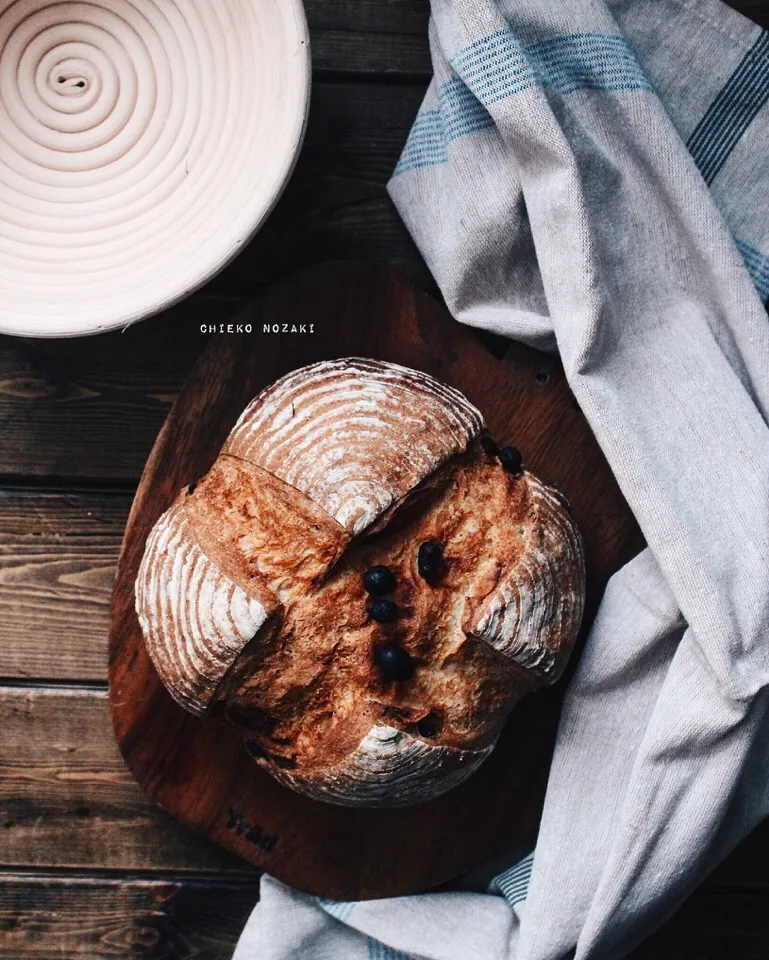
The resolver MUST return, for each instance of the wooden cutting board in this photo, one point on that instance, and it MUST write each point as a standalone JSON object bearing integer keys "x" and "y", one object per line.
{"x": 198, "y": 769}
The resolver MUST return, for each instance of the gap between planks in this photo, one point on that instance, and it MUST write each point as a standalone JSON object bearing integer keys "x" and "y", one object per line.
{"x": 99, "y": 877}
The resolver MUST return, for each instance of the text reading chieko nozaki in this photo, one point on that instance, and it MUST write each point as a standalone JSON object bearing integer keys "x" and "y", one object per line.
{"x": 249, "y": 328}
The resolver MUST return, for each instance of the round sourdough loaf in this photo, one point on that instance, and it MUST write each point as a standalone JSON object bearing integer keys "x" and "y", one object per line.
{"x": 363, "y": 584}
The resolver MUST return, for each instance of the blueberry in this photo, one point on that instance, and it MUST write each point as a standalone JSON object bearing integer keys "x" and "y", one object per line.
{"x": 383, "y": 611}
{"x": 394, "y": 662}
{"x": 489, "y": 446}
{"x": 191, "y": 488}
{"x": 429, "y": 559}
{"x": 378, "y": 580}
{"x": 511, "y": 459}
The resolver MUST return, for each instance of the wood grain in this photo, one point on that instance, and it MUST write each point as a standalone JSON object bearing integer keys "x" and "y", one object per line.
{"x": 67, "y": 799}
{"x": 374, "y": 37}
{"x": 198, "y": 769}
{"x": 390, "y": 36}
{"x": 369, "y": 17}
{"x": 381, "y": 55}
{"x": 336, "y": 205}
{"x": 58, "y": 553}
{"x": 105, "y": 919}
{"x": 91, "y": 408}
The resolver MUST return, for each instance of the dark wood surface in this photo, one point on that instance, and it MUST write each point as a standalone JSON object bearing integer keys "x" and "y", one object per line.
{"x": 199, "y": 770}
{"x": 104, "y": 918}
{"x": 88, "y": 866}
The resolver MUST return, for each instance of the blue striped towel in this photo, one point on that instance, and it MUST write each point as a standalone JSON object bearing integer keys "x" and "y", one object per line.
{"x": 591, "y": 176}
{"x": 707, "y": 65}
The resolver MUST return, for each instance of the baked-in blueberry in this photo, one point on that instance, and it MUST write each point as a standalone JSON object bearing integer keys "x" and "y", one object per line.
{"x": 378, "y": 580}
{"x": 429, "y": 559}
{"x": 394, "y": 662}
{"x": 511, "y": 459}
{"x": 383, "y": 611}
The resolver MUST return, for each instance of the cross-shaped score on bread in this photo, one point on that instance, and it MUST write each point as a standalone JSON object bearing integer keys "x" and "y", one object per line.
{"x": 364, "y": 583}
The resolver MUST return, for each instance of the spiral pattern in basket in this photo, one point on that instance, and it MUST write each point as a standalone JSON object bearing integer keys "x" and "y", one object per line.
{"x": 141, "y": 143}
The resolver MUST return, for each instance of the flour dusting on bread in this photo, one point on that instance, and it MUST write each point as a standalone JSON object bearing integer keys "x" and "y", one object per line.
{"x": 194, "y": 619}
{"x": 354, "y": 435}
{"x": 534, "y": 605}
{"x": 388, "y": 768}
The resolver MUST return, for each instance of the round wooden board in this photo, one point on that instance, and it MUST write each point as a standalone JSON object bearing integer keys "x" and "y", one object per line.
{"x": 198, "y": 770}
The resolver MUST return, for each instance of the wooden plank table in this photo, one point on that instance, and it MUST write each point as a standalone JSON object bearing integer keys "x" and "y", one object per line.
{"x": 88, "y": 867}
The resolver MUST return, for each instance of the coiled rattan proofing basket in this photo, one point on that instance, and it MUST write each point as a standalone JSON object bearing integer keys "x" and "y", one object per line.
{"x": 142, "y": 143}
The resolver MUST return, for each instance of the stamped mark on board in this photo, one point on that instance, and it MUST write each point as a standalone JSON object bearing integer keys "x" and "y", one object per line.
{"x": 251, "y": 831}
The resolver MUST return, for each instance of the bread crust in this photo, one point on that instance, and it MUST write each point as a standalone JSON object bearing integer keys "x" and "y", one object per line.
{"x": 335, "y": 431}
{"x": 293, "y": 528}
{"x": 194, "y": 618}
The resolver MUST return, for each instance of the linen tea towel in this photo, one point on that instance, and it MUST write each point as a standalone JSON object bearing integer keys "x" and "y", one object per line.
{"x": 591, "y": 177}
